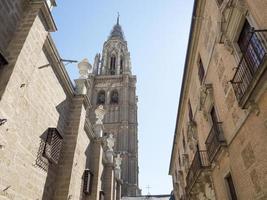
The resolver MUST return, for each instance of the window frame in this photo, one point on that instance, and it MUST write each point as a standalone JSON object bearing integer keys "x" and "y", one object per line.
{"x": 87, "y": 181}
{"x": 112, "y": 65}
{"x": 111, "y": 96}
{"x": 53, "y": 145}
{"x": 98, "y": 97}
{"x": 201, "y": 71}
{"x": 228, "y": 187}
{"x": 190, "y": 112}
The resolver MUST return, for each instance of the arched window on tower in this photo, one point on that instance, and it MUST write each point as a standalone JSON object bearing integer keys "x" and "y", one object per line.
{"x": 121, "y": 65}
{"x": 114, "y": 97}
{"x": 112, "y": 66}
{"x": 101, "y": 96}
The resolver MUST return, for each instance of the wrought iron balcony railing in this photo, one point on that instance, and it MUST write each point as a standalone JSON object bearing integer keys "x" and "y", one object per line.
{"x": 199, "y": 162}
{"x": 253, "y": 57}
{"x": 215, "y": 140}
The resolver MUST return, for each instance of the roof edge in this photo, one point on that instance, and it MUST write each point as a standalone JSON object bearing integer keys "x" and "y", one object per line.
{"x": 189, "y": 45}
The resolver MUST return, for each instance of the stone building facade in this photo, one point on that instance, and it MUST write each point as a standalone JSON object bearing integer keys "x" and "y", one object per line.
{"x": 53, "y": 143}
{"x": 114, "y": 87}
{"x": 219, "y": 145}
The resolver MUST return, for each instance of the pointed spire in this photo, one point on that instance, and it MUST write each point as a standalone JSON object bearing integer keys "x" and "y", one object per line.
{"x": 117, "y": 30}
{"x": 118, "y": 19}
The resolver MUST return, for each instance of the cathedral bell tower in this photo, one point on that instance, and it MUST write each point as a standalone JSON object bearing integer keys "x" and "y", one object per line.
{"x": 114, "y": 87}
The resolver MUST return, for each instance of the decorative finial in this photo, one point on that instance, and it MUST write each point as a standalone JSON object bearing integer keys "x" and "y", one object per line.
{"x": 118, "y": 19}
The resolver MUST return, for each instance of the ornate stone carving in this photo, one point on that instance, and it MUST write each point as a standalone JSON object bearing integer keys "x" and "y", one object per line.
{"x": 100, "y": 113}
{"x": 192, "y": 135}
{"x": 110, "y": 142}
{"x": 84, "y": 68}
{"x": 185, "y": 159}
{"x": 108, "y": 146}
{"x": 117, "y": 163}
{"x": 254, "y": 107}
{"x": 205, "y": 95}
{"x": 248, "y": 156}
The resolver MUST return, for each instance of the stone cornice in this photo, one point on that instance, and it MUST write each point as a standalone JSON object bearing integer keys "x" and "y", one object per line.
{"x": 46, "y": 15}
{"x": 58, "y": 66}
{"x": 196, "y": 21}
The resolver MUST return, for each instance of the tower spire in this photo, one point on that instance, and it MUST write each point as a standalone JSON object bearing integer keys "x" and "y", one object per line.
{"x": 118, "y": 19}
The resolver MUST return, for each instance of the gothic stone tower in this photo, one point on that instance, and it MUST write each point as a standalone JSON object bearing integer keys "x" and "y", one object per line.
{"x": 114, "y": 88}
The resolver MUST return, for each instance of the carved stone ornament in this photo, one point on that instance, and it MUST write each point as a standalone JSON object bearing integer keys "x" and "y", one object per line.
{"x": 118, "y": 161}
{"x": 241, "y": 6}
{"x": 206, "y": 91}
{"x": 254, "y": 108}
{"x": 110, "y": 141}
{"x": 228, "y": 45}
{"x": 100, "y": 113}
{"x": 84, "y": 68}
{"x": 191, "y": 130}
{"x": 109, "y": 156}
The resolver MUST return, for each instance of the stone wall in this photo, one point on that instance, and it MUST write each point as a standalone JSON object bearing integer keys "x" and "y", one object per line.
{"x": 34, "y": 100}
{"x": 11, "y": 13}
{"x": 243, "y": 126}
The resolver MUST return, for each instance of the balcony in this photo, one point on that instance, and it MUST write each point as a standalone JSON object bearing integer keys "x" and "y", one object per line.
{"x": 199, "y": 163}
{"x": 215, "y": 141}
{"x": 251, "y": 66}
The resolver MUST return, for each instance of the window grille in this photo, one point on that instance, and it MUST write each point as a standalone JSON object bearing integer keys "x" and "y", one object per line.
{"x": 252, "y": 44}
{"x": 87, "y": 181}
{"x": 53, "y": 144}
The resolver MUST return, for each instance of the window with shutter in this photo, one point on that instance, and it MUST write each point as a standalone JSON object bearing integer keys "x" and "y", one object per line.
{"x": 87, "y": 181}
{"x": 53, "y": 144}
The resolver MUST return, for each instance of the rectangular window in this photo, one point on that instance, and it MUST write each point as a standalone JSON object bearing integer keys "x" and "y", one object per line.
{"x": 201, "y": 71}
{"x": 252, "y": 47}
{"x": 101, "y": 195}
{"x": 214, "y": 117}
{"x": 231, "y": 187}
{"x": 53, "y": 144}
{"x": 190, "y": 112}
{"x": 252, "y": 44}
{"x": 87, "y": 181}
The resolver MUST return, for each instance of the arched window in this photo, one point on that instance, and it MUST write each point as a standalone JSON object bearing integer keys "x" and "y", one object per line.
{"x": 101, "y": 97}
{"x": 114, "y": 97}
{"x": 121, "y": 65}
{"x": 112, "y": 66}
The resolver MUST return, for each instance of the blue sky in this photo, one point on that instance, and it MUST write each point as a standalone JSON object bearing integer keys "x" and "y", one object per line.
{"x": 157, "y": 34}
